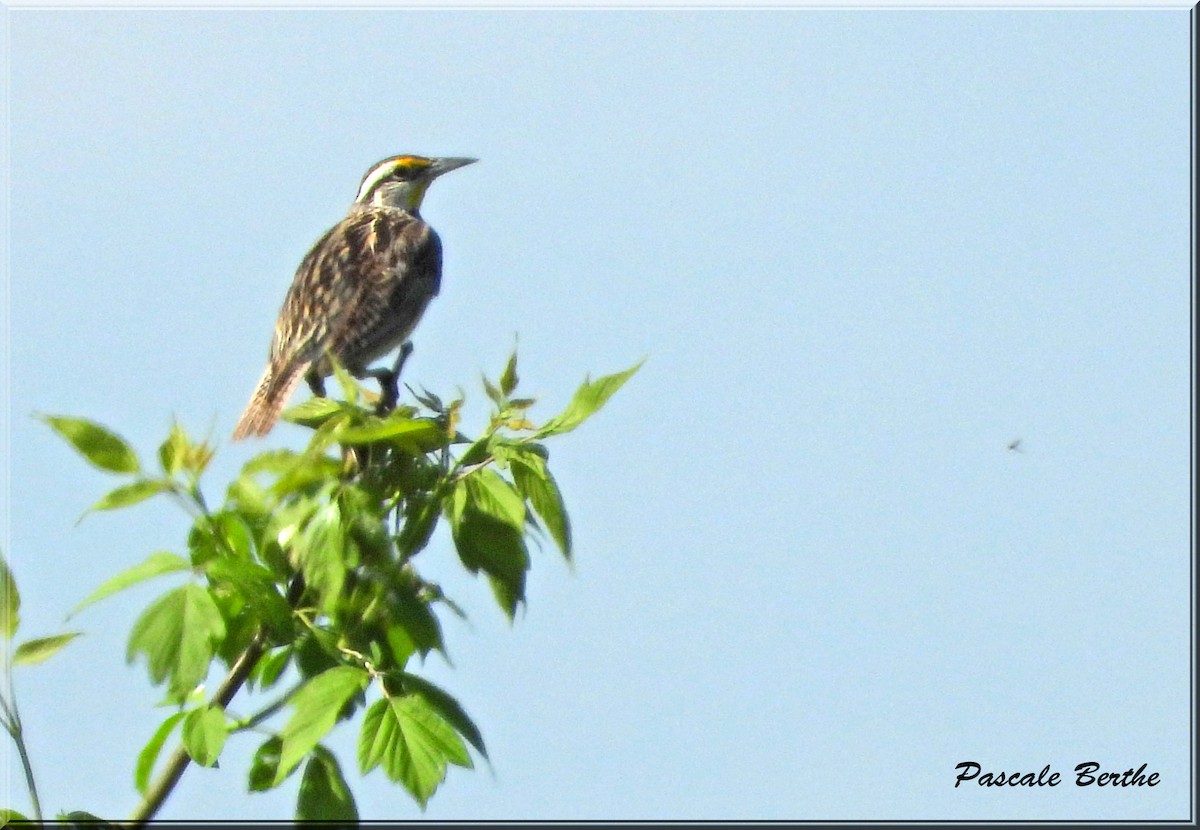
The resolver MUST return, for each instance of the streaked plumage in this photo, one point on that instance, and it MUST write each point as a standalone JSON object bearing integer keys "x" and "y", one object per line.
{"x": 360, "y": 291}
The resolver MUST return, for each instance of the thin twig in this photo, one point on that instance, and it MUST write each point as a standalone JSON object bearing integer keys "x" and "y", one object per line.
{"x": 13, "y": 725}
{"x": 162, "y": 787}
{"x": 267, "y": 711}
{"x": 178, "y": 762}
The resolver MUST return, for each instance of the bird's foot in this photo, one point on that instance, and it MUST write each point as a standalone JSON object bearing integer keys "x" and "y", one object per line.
{"x": 389, "y": 380}
{"x": 316, "y": 383}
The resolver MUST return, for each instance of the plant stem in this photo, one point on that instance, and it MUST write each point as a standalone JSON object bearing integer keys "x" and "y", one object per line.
{"x": 267, "y": 711}
{"x": 13, "y": 725}
{"x": 178, "y": 762}
{"x": 33, "y": 794}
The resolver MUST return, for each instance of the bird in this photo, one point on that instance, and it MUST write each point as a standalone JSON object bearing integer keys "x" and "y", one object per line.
{"x": 359, "y": 292}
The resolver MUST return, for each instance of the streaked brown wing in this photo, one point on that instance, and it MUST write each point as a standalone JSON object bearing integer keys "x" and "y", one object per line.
{"x": 318, "y": 292}
{"x": 394, "y": 295}
{"x": 351, "y": 284}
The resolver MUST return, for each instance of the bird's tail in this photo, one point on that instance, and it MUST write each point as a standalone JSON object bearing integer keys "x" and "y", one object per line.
{"x": 267, "y": 402}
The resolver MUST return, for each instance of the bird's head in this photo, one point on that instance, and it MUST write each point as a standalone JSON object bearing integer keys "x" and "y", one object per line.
{"x": 400, "y": 181}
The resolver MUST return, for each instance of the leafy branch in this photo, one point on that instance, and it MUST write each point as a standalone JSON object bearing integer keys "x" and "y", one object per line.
{"x": 303, "y": 582}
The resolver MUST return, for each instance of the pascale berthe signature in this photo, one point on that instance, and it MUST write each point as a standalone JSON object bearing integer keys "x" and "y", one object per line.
{"x": 1087, "y": 774}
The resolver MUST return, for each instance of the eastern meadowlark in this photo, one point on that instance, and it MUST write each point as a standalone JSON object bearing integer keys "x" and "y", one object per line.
{"x": 359, "y": 292}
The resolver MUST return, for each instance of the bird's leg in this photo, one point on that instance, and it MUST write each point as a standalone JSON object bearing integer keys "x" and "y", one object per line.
{"x": 405, "y": 350}
{"x": 316, "y": 383}
{"x": 389, "y": 380}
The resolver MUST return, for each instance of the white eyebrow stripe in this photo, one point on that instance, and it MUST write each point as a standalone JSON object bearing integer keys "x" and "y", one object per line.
{"x": 373, "y": 177}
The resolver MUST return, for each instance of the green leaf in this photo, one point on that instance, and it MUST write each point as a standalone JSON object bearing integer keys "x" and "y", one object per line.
{"x": 318, "y": 549}
{"x": 489, "y": 493}
{"x": 308, "y": 469}
{"x": 257, "y": 588}
{"x": 498, "y": 550}
{"x": 10, "y": 602}
{"x": 130, "y": 494}
{"x": 248, "y": 496}
{"x": 265, "y": 765}
{"x": 350, "y": 388}
{"x": 102, "y": 448}
{"x": 203, "y": 544}
{"x": 378, "y": 730}
{"x": 508, "y": 379}
{"x": 447, "y": 708}
{"x": 41, "y": 649}
{"x": 204, "y": 733}
{"x": 414, "y": 628}
{"x": 588, "y": 399}
{"x": 178, "y": 635}
{"x": 7, "y": 815}
{"x": 412, "y": 742}
{"x": 316, "y": 708}
{"x": 478, "y": 451}
{"x": 178, "y": 453}
{"x": 233, "y": 533}
{"x": 313, "y": 412}
{"x": 487, "y": 537}
{"x": 149, "y": 753}
{"x": 271, "y": 666}
{"x": 418, "y": 529}
{"x": 413, "y": 434}
{"x": 324, "y": 794}
{"x": 428, "y": 399}
{"x": 275, "y": 462}
{"x": 367, "y": 532}
{"x": 240, "y": 625}
{"x": 492, "y": 391}
{"x": 173, "y": 451}
{"x": 535, "y": 483}
{"x": 289, "y": 518}
{"x": 401, "y": 644}
{"x": 155, "y": 565}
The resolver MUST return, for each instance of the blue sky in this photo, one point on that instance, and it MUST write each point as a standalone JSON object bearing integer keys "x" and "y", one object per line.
{"x": 863, "y": 251}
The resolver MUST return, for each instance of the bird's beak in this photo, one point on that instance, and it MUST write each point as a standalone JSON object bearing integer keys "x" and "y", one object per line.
{"x": 445, "y": 165}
